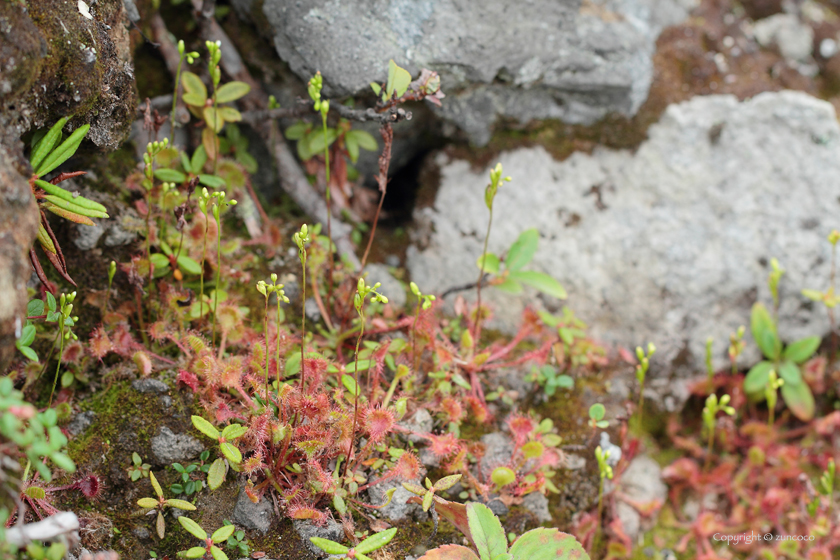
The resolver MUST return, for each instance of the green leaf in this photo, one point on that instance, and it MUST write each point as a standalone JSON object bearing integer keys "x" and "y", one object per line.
{"x": 450, "y": 552}
{"x": 491, "y": 263}
{"x": 28, "y": 353}
{"x": 801, "y": 350}
{"x": 205, "y": 427}
{"x": 328, "y": 546}
{"x": 522, "y": 250}
{"x": 229, "y": 114}
{"x": 541, "y": 281}
{"x": 63, "y": 152}
{"x": 211, "y": 181}
{"x": 317, "y": 143}
{"x": 509, "y": 285}
{"x": 193, "y": 84}
{"x": 502, "y": 476}
{"x": 764, "y": 331}
{"x": 155, "y": 484}
{"x": 192, "y": 527}
{"x": 597, "y": 411}
{"x": 180, "y": 504}
{"x": 198, "y": 160}
{"x": 757, "y": 377}
{"x": 159, "y": 260}
{"x": 217, "y": 553}
{"x": 799, "y": 400}
{"x": 547, "y": 544}
{"x": 216, "y": 474}
{"x": 51, "y": 302}
{"x": 27, "y": 335}
{"x": 232, "y": 91}
{"x": 790, "y": 373}
{"x": 35, "y": 308}
{"x": 376, "y": 541}
{"x": 213, "y": 118}
{"x": 147, "y": 503}
{"x": 194, "y": 99}
{"x": 247, "y": 161}
{"x": 351, "y": 367}
{"x": 446, "y": 482}
{"x": 297, "y": 130}
{"x": 231, "y": 452}
{"x": 427, "y": 500}
{"x": 377, "y": 89}
{"x": 46, "y": 144}
{"x": 234, "y": 431}
{"x": 350, "y": 384}
{"x": 365, "y": 140}
{"x": 196, "y": 552}
{"x": 398, "y": 80}
{"x": 352, "y": 146}
{"x": 169, "y": 175}
{"x": 189, "y": 265}
{"x": 223, "y": 533}
{"x": 487, "y": 533}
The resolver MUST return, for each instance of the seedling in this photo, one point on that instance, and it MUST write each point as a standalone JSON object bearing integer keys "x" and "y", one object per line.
{"x": 220, "y": 536}
{"x": 138, "y": 469}
{"x": 546, "y": 377}
{"x": 428, "y": 493}
{"x": 785, "y": 361}
{"x": 160, "y": 503}
{"x": 188, "y": 484}
{"x": 237, "y": 542}
{"x": 230, "y": 432}
{"x": 710, "y": 412}
{"x": 596, "y": 417}
{"x": 641, "y": 372}
{"x": 736, "y": 347}
{"x": 361, "y": 550}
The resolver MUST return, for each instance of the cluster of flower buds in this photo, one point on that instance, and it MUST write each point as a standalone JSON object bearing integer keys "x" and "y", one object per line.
{"x": 215, "y": 50}
{"x": 65, "y": 309}
{"x": 496, "y": 180}
{"x": 314, "y": 88}
{"x": 266, "y": 289}
{"x": 424, "y": 300}
{"x": 189, "y": 56}
{"x": 363, "y": 291}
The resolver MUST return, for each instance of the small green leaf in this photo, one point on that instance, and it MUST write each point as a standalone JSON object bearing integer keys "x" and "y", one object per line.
{"x": 491, "y": 263}
{"x": 377, "y": 89}
{"x": 764, "y": 331}
{"x": 147, "y": 503}
{"x": 231, "y": 452}
{"x": 223, "y": 533}
{"x": 194, "y": 99}
{"x": 205, "y": 427}
{"x": 234, "y": 431}
{"x": 317, "y": 143}
{"x": 28, "y": 353}
{"x": 328, "y": 546}
{"x": 213, "y": 119}
{"x": 597, "y": 411}
{"x": 790, "y": 373}
{"x": 35, "y": 308}
{"x": 189, "y": 265}
{"x": 446, "y": 482}
{"x": 155, "y": 484}
{"x": 427, "y": 500}
{"x": 801, "y": 350}
{"x": 522, "y": 250}
{"x": 757, "y": 377}
{"x": 297, "y": 130}
{"x": 169, "y": 175}
{"x": 216, "y": 474}
{"x": 192, "y": 527}
{"x": 376, "y": 541}
{"x": 27, "y": 335}
{"x": 232, "y": 91}
{"x": 352, "y": 146}
{"x": 398, "y": 80}
{"x": 350, "y": 384}
{"x": 199, "y": 158}
{"x": 541, "y": 281}
{"x": 217, "y": 553}
{"x": 365, "y": 140}
{"x": 212, "y": 181}
{"x": 180, "y": 504}
{"x": 193, "y": 84}
{"x": 799, "y": 400}
{"x": 509, "y": 285}
{"x": 64, "y": 151}
{"x": 47, "y": 142}
{"x": 533, "y": 449}
{"x": 196, "y": 552}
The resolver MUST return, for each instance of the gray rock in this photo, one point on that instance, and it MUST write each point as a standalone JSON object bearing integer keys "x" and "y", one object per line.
{"x": 498, "y": 449}
{"x": 119, "y": 232}
{"x": 421, "y": 421}
{"x": 549, "y": 59}
{"x": 669, "y": 244}
{"x": 87, "y": 236}
{"x": 642, "y": 483}
{"x": 391, "y": 288}
{"x": 150, "y": 386}
{"x": 398, "y": 509}
{"x": 793, "y": 38}
{"x": 80, "y": 422}
{"x": 312, "y": 311}
{"x": 169, "y": 447}
{"x": 497, "y": 506}
{"x": 306, "y": 529}
{"x": 250, "y": 515}
{"x": 611, "y": 448}
{"x": 141, "y": 533}
{"x": 537, "y": 503}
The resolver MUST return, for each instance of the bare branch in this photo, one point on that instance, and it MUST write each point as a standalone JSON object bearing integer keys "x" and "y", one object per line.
{"x": 304, "y": 107}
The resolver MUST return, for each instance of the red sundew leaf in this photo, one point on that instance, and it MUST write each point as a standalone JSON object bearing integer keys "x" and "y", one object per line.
{"x": 99, "y": 344}
{"x": 189, "y": 379}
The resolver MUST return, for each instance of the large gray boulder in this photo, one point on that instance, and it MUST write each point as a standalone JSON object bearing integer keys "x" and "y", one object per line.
{"x": 563, "y": 59}
{"x": 670, "y": 244}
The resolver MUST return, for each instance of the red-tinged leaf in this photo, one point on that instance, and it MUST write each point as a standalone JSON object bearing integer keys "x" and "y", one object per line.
{"x": 799, "y": 400}
{"x": 67, "y": 215}
{"x": 453, "y": 512}
{"x": 450, "y": 552}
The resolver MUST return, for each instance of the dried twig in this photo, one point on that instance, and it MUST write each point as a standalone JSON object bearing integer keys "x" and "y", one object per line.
{"x": 382, "y": 179}
{"x": 63, "y": 524}
{"x": 304, "y": 107}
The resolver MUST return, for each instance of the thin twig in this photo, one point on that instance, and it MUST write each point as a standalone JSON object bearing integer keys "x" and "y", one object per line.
{"x": 382, "y": 179}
